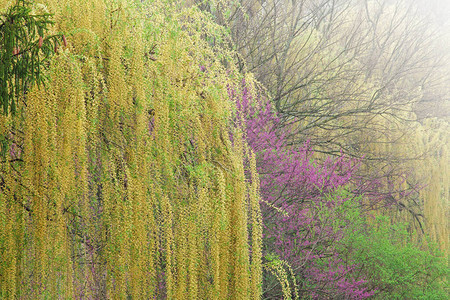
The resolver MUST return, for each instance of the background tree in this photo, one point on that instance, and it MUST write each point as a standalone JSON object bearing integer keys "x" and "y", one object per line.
{"x": 330, "y": 64}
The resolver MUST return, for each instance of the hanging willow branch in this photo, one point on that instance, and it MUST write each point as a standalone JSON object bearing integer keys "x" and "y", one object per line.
{"x": 25, "y": 50}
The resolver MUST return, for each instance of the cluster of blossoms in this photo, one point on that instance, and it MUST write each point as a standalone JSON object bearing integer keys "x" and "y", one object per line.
{"x": 304, "y": 203}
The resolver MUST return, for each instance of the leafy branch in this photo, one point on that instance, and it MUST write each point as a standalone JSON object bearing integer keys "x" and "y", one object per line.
{"x": 25, "y": 51}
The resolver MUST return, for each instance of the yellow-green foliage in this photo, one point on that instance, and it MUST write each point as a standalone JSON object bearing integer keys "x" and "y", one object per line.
{"x": 121, "y": 179}
{"x": 425, "y": 153}
{"x": 433, "y": 139}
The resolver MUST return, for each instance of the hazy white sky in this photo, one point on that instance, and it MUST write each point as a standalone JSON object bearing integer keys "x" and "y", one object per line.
{"x": 440, "y": 9}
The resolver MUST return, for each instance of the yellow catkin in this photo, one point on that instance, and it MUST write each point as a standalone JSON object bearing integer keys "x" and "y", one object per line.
{"x": 3, "y": 235}
{"x": 119, "y": 239}
{"x": 181, "y": 254}
{"x": 193, "y": 253}
{"x": 282, "y": 271}
{"x": 71, "y": 149}
{"x": 117, "y": 91}
{"x": 203, "y": 212}
{"x": 238, "y": 223}
{"x": 138, "y": 241}
{"x": 256, "y": 267}
{"x": 108, "y": 232}
{"x": 140, "y": 257}
{"x": 224, "y": 239}
{"x": 11, "y": 245}
{"x": 168, "y": 233}
{"x": 8, "y": 290}
{"x": 215, "y": 259}
{"x": 37, "y": 158}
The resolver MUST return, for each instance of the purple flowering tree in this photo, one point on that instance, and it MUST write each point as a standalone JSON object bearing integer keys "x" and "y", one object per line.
{"x": 305, "y": 206}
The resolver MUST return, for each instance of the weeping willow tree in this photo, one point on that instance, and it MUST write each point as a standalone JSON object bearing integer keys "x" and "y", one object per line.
{"x": 125, "y": 177}
{"x": 433, "y": 139}
{"x": 421, "y": 193}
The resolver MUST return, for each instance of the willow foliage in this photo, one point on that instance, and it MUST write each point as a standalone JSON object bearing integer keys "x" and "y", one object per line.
{"x": 125, "y": 177}
{"x": 424, "y": 180}
{"x": 433, "y": 139}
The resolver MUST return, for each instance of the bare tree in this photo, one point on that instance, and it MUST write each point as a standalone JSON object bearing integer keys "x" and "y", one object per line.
{"x": 330, "y": 66}
{"x": 345, "y": 74}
